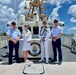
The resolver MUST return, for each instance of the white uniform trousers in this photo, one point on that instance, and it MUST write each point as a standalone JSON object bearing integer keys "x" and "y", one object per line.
{"x": 44, "y": 50}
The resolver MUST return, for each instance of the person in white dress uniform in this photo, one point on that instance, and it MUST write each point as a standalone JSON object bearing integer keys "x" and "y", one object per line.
{"x": 44, "y": 35}
{"x": 27, "y": 36}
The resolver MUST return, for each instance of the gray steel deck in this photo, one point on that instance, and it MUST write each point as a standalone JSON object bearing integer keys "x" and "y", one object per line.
{"x": 68, "y": 66}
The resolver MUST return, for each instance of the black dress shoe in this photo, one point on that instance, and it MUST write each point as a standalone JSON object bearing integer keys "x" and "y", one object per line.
{"x": 18, "y": 62}
{"x": 60, "y": 63}
{"x": 9, "y": 63}
{"x": 53, "y": 60}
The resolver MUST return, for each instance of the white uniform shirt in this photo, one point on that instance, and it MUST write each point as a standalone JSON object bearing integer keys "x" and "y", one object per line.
{"x": 56, "y": 31}
{"x": 27, "y": 36}
{"x": 42, "y": 32}
{"x": 14, "y": 34}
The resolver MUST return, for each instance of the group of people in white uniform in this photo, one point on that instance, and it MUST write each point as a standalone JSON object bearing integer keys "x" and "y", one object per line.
{"x": 44, "y": 35}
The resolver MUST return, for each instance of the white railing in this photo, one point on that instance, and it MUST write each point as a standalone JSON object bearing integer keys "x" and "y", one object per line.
{"x": 67, "y": 40}
{"x": 3, "y": 41}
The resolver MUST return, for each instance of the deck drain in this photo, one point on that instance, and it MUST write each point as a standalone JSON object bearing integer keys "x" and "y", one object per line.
{"x": 34, "y": 69}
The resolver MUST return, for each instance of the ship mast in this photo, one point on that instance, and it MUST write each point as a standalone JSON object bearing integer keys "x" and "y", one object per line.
{"x": 36, "y": 11}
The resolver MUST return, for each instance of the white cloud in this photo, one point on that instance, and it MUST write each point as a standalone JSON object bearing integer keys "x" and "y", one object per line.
{"x": 0, "y": 5}
{"x": 5, "y": 1}
{"x": 54, "y": 14}
{"x": 21, "y": 11}
{"x": 6, "y": 14}
{"x": 72, "y": 11}
{"x": 21, "y": 8}
{"x": 58, "y": 2}
{"x": 73, "y": 19}
{"x": 23, "y": 4}
{"x": 72, "y": 28}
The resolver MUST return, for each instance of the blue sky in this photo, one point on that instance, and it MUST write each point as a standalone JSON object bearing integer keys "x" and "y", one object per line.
{"x": 65, "y": 16}
{"x": 64, "y": 10}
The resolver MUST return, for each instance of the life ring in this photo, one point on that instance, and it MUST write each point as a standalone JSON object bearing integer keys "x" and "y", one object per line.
{"x": 35, "y": 49}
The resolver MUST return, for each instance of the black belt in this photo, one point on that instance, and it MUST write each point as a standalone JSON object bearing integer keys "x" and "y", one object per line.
{"x": 56, "y": 37}
{"x": 12, "y": 41}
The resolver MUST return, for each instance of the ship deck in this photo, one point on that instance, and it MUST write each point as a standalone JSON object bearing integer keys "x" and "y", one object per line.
{"x": 68, "y": 66}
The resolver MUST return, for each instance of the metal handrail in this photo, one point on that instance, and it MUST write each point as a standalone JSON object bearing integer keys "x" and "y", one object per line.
{"x": 67, "y": 40}
{"x": 3, "y": 41}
